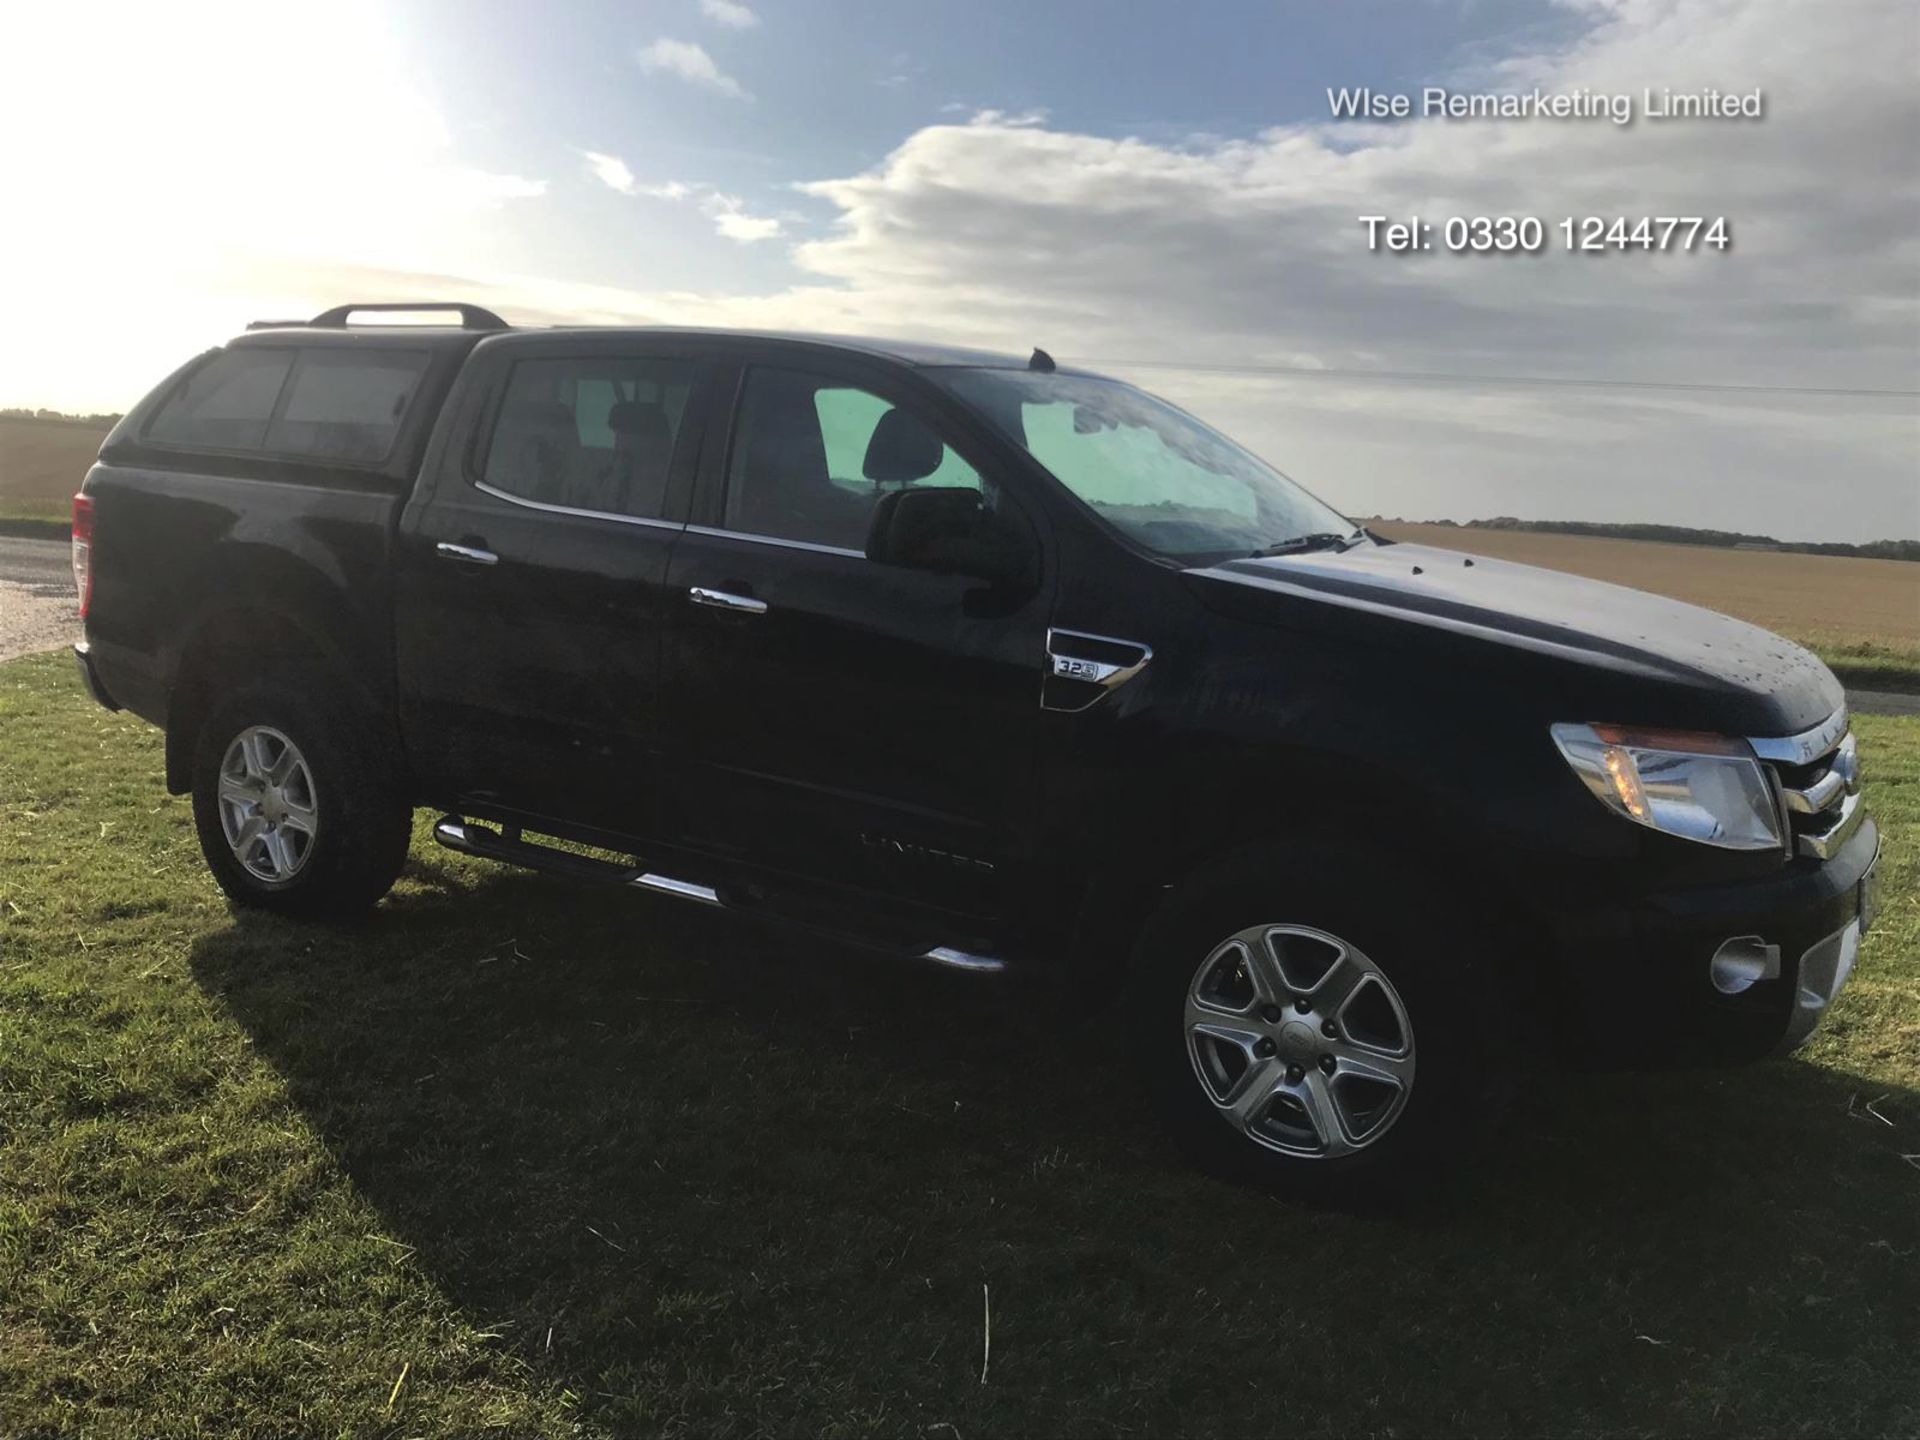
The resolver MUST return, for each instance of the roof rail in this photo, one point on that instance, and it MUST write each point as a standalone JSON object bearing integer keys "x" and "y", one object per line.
{"x": 472, "y": 317}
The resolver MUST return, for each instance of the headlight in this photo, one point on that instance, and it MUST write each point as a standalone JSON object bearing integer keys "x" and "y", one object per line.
{"x": 1708, "y": 788}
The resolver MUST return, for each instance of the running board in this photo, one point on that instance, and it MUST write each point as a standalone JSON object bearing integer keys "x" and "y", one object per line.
{"x": 963, "y": 960}
{"x": 679, "y": 889}
{"x": 457, "y": 834}
{"x": 477, "y": 840}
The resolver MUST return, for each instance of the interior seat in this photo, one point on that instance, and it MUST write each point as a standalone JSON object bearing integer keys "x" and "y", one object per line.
{"x": 536, "y": 446}
{"x": 634, "y": 481}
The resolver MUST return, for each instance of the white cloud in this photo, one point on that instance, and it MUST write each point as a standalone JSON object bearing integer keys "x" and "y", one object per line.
{"x": 728, "y": 212}
{"x": 610, "y": 170}
{"x": 730, "y": 218}
{"x": 1006, "y": 232}
{"x": 691, "y": 63}
{"x": 728, "y": 14}
{"x": 1013, "y": 120}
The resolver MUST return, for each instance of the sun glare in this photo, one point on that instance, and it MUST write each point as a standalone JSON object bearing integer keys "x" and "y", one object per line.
{"x": 194, "y": 165}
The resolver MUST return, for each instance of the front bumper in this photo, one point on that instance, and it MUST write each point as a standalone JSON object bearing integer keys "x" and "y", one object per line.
{"x": 1637, "y": 981}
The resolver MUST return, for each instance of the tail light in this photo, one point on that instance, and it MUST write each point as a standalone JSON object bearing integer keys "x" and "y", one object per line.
{"x": 83, "y": 551}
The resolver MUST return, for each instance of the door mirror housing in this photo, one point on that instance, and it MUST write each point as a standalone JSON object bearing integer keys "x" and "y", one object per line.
{"x": 950, "y": 531}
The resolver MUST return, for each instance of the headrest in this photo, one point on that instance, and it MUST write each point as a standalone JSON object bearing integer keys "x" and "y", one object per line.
{"x": 902, "y": 449}
{"x": 646, "y": 419}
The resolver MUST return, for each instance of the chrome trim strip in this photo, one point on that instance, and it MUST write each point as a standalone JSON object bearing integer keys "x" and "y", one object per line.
{"x": 552, "y": 509}
{"x": 1817, "y": 796}
{"x": 447, "y": 550}
{"x": 718, "y": 534}
{"x": 1808, "y": 745}
{"x": 683, "y": 889}
{"x": 721, "y": 600}
{"x": 1825, "y": 847}
{"x": 964, "y": 960}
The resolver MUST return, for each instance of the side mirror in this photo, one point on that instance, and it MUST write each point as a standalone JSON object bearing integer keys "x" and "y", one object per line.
{"x": 949, "y": 531}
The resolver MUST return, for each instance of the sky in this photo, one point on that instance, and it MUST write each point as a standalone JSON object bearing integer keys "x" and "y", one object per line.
{"x": 1158, "y": 191}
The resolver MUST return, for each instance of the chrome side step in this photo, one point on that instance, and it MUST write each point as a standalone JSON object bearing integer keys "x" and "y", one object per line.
{"x": 963, "y": 960}
{"x": 477, "y": 840}
{"x": 682, "y": 889}
{"x": 457, "y": 834}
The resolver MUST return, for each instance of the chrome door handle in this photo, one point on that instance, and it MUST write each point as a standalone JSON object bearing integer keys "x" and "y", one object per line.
{"x": 467, "y": 553}
{"x": 721, "y": 600}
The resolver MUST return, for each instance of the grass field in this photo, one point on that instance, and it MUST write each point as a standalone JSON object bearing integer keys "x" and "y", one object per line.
{"x": 1861, "y": 616}
{"x": 523, "y": 1159}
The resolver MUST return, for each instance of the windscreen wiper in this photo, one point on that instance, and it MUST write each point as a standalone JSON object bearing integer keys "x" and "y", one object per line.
{"x": 1318, "y": 540}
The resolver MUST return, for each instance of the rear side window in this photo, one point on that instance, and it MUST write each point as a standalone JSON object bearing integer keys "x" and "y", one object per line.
{"x": 347, "y": 404}
{"x": 224, "y": 404}
{"x": 593, "y": 434}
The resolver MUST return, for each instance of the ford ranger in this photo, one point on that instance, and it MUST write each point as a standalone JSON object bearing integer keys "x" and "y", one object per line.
{"x": 981, "y": 662}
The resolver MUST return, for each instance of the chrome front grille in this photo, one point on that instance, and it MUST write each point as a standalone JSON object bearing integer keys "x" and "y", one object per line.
{"x": 1817, "y": 777}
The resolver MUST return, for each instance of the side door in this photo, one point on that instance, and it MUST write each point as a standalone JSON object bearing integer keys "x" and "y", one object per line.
{"x": 860, "y": 724}
{"x": 531, "y": 577}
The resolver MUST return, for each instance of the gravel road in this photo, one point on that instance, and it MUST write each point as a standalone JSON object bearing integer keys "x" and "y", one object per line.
{"x": 37, "y": 609}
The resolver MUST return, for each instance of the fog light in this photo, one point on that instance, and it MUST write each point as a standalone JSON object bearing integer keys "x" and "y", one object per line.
{"x": 1742, "y": 962}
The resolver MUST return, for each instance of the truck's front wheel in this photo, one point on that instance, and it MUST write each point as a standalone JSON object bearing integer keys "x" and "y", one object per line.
{"x": 1303, "y": 1035}
{"x": 296, "y": 811}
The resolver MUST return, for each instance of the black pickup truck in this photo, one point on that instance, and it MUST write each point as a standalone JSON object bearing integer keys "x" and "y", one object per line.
{"x": 983, "y": 662}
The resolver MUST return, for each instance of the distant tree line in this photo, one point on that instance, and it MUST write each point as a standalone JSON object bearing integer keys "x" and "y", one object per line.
{"x": 14, "y": 412}
{"x": 1688, "y": 535}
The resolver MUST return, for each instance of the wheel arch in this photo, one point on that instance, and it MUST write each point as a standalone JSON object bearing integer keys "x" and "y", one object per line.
{"x": 242, "y": 638}
{"x": 1125, "y": 911}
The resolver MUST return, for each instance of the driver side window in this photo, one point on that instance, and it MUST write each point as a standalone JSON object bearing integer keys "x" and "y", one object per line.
{"x": 812, "y": 458}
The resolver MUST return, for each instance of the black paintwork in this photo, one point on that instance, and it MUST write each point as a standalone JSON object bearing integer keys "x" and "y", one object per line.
{"x": 872, "y": 754}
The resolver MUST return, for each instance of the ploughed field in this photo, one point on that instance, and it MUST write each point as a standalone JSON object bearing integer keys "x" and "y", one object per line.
{"x": 42, "y": 463}
{"x": 521, "y": 1158}
{"x": 1862, "y": 616}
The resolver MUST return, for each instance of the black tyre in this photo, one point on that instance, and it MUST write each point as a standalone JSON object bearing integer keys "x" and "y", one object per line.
{"x": 297, "y": 808}
{"x": 1318, "y": 1028}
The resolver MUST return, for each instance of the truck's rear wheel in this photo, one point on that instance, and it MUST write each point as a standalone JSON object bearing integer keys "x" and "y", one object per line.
{"x": 1301, "y": 1035}
{"x": 296, "y": 811}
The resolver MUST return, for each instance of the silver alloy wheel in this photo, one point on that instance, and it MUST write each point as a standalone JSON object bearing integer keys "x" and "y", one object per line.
{"x": 1300, "y": 1040}
{"x": 268, "y": 807}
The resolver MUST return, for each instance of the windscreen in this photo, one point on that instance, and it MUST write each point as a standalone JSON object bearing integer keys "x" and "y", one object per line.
{"x": 1154, "y": 472}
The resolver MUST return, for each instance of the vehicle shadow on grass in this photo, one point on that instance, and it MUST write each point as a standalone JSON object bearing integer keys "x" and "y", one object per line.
{"x": 739, "y": 1175}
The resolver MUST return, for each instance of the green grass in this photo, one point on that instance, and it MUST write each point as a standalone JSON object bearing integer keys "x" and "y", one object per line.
{"x": 37, "y": 519}
{"x": 1870, "y": 664}
{"x": 581, "y": 1163}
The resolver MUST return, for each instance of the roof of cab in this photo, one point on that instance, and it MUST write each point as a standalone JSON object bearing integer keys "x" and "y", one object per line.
{"x": 919, "y": 353}
{"x": 476, "y": 323}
